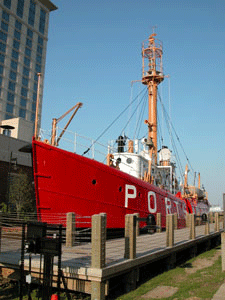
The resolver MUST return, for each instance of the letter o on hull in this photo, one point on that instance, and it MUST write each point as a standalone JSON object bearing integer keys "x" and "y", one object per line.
{"x": 152, "y": 208}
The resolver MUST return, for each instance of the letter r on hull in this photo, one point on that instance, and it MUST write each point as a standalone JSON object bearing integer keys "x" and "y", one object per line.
{"x": 130, "y": 193}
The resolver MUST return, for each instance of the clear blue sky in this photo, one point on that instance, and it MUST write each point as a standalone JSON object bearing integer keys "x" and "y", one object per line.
{"x": 94, "y": 52}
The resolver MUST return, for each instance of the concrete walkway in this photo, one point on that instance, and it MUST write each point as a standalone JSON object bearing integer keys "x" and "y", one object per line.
{"x": 220, "y": 294}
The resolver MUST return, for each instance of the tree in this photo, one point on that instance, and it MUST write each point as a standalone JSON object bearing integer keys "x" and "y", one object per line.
{"x": 21, "y": 193}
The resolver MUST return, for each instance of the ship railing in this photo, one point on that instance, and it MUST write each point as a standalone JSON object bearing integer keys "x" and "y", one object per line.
{"x": 11, "y": 224}
{"x": 76, "y": 143}
{"x": 81, "y": 225}
{"x": 135, "y": 245}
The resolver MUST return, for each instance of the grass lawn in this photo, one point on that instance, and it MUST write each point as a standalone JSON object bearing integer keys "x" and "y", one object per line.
{"x": 193, "y": 279}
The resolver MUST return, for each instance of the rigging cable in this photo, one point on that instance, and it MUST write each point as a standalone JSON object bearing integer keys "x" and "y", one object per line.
{"x": 173, "y": 144}
{"x": 160, "y": 134}
{"x": 135, "y": 110}
{"x": 110, "y": 125}
{"x": 172, "y": 127}
{"x": 140, "y": 117}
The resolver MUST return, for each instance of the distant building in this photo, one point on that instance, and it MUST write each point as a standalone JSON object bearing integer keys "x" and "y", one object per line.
{"x": 23, "y": 43}
{"x": 22, "y": 129}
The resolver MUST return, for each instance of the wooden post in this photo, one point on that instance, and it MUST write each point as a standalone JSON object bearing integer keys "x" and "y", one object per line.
{"x": 98, "y": 241}
{"x": 97, "y": 290}
{"x": 187, "y": 220}
{"x": 175, "y": 221}
{"x": 192, "y": 227}
{"x": 169, "y": 230}
{"x": 207, "y": 227}
{"x": 130, "y": 237}
{"x": 130, "y": 279}
{"x": 98, "y": 249}
{"x": 70, "y": 229}
{"x": 223, "y": 250}
{"x": 217, "y": 225}
{"x": 137, "y": 224}
{"x": 159, "y": 222}
{"x": 210, "y": 217}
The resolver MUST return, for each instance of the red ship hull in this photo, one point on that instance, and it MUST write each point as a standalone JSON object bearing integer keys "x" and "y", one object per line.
{"x": 67, "y": 182}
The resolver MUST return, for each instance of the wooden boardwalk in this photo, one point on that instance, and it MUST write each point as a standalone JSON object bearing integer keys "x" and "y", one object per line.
{"x": 77, "y": 261}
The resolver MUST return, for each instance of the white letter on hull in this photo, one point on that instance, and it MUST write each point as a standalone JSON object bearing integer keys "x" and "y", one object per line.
{"x": 168, "y": 205}
{"x": 128, "y": 195}
{"x": 177, "y": 208}
{"x": 154, "y": 209}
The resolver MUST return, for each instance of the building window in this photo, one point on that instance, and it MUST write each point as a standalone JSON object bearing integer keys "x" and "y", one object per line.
{"x": 25, "y": 81}
{"x": 39, "y": 49}
{"x": 38, "y": 68}
{"x": 16, "y": 44}
{"x": 20, "y": 7}
{"x": 30, "y": 33}
{"x": 2, "y": 47}
{"x": 13, "y": 64}
{"x": 12, "y": 86}
{"x": 1, "y": 69}
{"x": 29, "y": 43}
{"x": 27, "y": 61}
{"x": 7, "y": 3}
{"x": 23, "y": 102}
{"x": 31, "y": 13}
{"x": 34, "y": 96}
{"x": 33, "y": 106}
{"x": 35, "y": 86}
{"x": 40, "y": 40}
{"x": 5, "y": 16}
{"x": 15, "y": 54}
{"x": 27, "y": 52}
{"x": 9, "y": 108}
{"x": 4, "y": 26}
{"x": 38, "y": 59}
{"x": 17, "y": 35}
{"x": 18, "y": 25}
{"x": 10, "y": 97}
{"x": 12, "y": 75}
{"x": 42, "y": 21}
{"x": 24, "y": 92}
{"x": 3, "y": 36}
{"x": 2, "y": 58}
{"x": 7, "y": 117}
{"x": 32, "y": 118}
{"x": 22, "y": 113}
{"x": 26, "y": 71}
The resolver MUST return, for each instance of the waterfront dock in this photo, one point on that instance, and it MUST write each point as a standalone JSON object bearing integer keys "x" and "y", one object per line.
{"x": 95, "y": 267}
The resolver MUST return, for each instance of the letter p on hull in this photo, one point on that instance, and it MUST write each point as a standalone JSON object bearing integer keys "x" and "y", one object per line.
{"x": 130, "y": 193}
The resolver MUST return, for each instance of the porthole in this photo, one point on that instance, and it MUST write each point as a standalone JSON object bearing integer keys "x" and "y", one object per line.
{"x": 94, "y": 181}
{"x": 120, "y": 189}
{"x": 129, "y": 160}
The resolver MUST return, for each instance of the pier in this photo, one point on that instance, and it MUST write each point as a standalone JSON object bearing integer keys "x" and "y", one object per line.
{"x": 97, "y": 267}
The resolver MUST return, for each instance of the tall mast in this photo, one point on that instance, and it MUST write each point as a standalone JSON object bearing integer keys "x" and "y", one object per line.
{"x": 152, "y": 76}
